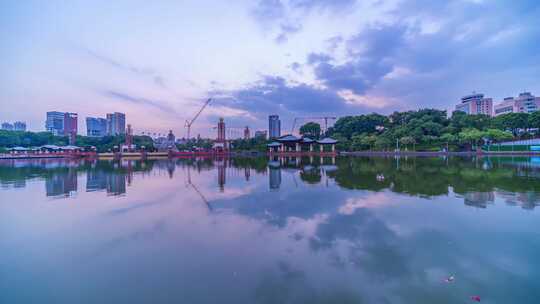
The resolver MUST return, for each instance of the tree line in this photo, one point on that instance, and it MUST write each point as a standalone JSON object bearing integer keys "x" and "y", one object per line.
{"x": 10, "y": 139}
{"x": 430, "y": 129}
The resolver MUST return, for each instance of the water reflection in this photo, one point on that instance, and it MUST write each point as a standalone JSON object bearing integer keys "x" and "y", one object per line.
{"x": 479, "y": 181}
{"x": 279, "y": 230}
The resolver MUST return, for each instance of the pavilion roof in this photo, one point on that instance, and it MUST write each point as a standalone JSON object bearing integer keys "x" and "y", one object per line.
{"x": 307, "y": 140}
{"x": 327, "y": 141}
{"x": 19, "y": 149}
{"x": 52, "y": 147}
{"x": 273, "y": 144}
{"x": 70, "y": 147}
{"x": 288, "y": 138}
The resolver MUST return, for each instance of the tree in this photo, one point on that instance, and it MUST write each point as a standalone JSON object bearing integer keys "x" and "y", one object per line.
{"x": 512, "y": 122}
{"x": 351, "y": 125}
{"x": 383, "y": 142}
{"x": 407, "y": 140}
{"x": 497, "y": 135}
{"x": 472, "y": 136}
{"x": 311, "y": 129}
{"x": 534, "y": 121}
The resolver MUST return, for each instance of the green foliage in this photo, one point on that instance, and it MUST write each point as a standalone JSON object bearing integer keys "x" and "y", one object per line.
{"x": 534, "y": 120}
{"x": 311, "y": 129}
{"x": 35, "y": 139}
{"x": 497, "y": 135}
{"x": 471, "y": 135}
{"x": 30, "y": 139}
{"x": 512, "y": 122}
{"x": 350, "y": 125}
{"x": 252, "y": 144}
{"x": 195, "y": 143}
{"x": 430, "y": 129}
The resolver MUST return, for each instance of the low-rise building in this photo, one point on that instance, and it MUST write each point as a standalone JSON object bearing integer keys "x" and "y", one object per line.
{"x": 524, "y": 103}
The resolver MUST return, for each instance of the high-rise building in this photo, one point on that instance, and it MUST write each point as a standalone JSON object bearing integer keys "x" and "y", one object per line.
{"x": 7, "y": 126}
{"x": 524, "y": 103}
{"x": 70, "y": 123}
{"x": 116, "y": 123}
{"x": 96, "y": 127}
{"x": 274, "y": 126}
{"x": 247, "y": 134}
{"x": 19, "y": 126}
{"x": 476, "y": 104}
{"x": 55, "y": 123}
{"x": 61, "y": 123}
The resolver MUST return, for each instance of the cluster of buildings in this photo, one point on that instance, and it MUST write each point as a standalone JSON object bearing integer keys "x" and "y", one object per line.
{"x": 112, "y": 124}
{"x": 61, "y": 123}
{"x": 66, "y": 124}
{"x": 478, "y": 104}
{"x": 16, "y": 126}
{"x": 274, "y": 128}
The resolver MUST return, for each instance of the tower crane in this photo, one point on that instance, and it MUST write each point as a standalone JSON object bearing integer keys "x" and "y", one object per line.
{"x": 190, "y": 122}
{"x": 325, "y": 118}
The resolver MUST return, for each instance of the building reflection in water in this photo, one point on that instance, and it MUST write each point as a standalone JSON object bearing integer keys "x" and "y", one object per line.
{"x": 221, "y": 165}
{"x": 62, "y": 183}
{"x": 479, "y": 199}
{"x": 116, "y": 183}
{"x": 527, "y": 200}
{"x": 274, "y": 176}
{"x": 96, "y": 180}
{"x": 478, "y": 182}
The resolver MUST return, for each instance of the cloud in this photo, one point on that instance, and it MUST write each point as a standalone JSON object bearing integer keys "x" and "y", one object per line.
{"x": 286, "y": 30}
{"x": 116, "y": 64}
{"x": 274, "y": 95}
{"x": 285, "y": 18}
{"x": 268, "y": 11}
{"x": 335, "y": 5}
{"x": 436, "y": 49}
{"x": 159, "y": 105}
{"x": 147, "y": 72}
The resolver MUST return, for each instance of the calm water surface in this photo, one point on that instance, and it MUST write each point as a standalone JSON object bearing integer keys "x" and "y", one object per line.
{"x": 346, "y": 230}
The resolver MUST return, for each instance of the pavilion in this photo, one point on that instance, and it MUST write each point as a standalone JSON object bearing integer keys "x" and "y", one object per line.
{"x": 325, "y": 142}
{"x": 291, "y": 143}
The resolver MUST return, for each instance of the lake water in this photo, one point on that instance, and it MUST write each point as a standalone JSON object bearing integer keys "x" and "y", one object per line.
{"x": 345, "y": 230}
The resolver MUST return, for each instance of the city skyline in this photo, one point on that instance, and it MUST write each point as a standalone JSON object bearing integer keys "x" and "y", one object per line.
{"x": 158, "y": 62}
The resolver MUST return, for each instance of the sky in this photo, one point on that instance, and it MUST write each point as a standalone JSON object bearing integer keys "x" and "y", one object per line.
{"x": 158, "y": 61}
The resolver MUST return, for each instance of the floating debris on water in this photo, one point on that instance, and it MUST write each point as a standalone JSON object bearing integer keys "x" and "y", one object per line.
{"x": 475, "y": 298}
{"x": 450, "y": 279}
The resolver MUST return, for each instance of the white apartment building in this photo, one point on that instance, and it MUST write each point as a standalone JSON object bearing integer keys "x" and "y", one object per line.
{"x": 524, "y": 103}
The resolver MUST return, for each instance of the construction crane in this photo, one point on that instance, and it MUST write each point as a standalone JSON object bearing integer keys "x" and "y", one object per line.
{"x": 325, "y": 118}
{"x": 190, "y": 122}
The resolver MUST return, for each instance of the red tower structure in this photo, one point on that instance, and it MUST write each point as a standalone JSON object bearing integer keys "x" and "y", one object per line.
{"x": 221, "y": 130}
{"x": 220, "y": 144}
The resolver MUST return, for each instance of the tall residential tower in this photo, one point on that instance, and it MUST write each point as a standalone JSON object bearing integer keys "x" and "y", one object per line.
{"x": 274, "y": 126}
{"x": 116, "y": 123}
